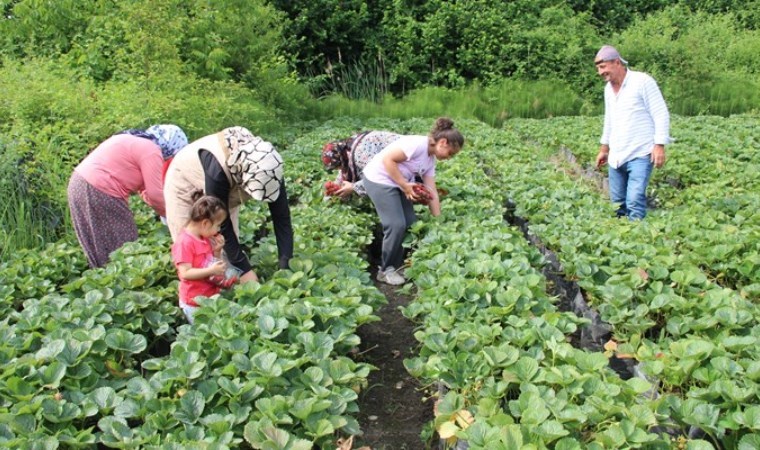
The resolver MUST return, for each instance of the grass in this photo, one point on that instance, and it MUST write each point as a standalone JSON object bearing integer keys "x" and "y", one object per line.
{"x": 25, "y": 225}
{"x": 721, "y": 96}
{"x": 28, "y": 219}
{"x": 364, "y": 80}
{"x": 361, "y": 90}
{"x": 490, "y": 104}
{"x": 509, "y": 99}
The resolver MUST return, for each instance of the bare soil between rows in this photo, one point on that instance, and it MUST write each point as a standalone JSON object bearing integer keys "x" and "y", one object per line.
{"x": 394, "y": 408}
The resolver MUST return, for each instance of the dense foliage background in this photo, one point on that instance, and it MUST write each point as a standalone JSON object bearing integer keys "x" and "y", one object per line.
{"x": 71, "y": 73}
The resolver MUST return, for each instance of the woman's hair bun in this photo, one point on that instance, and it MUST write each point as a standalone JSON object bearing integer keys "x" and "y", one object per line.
{"x": 443, "y": 123}
{"x": 444, "y": 129}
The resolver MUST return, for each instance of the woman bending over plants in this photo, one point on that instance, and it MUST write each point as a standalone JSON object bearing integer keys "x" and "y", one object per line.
{"x": 350, "y": 156}
{"x": 234, "y": 166}
{"x": 129, "y": 162}
{"x": 389, "y": 181}
{"x": 197, "y": 253}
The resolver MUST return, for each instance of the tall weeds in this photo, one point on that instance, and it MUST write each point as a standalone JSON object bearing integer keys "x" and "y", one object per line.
{"x": 25, "y": 221}
{"x": 720, "y": 96}
{"x": 491, "y": 104}
{"x": 361, "y": 80}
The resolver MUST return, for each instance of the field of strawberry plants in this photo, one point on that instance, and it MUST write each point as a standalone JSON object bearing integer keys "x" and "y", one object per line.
{"x": 679, "y": 291}
{"x": 104, "y": 358}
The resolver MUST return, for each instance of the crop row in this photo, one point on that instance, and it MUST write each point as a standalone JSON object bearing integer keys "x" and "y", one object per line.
{"x": 103, "y": 357}
{"x": 498, "y": 342}
{"x": 695, "y": 337}
{"x": 708, "y": 192}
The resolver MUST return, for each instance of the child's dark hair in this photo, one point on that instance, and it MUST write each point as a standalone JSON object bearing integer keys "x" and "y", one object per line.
{"x": 444, "y": 129}
{"x": 206, "y": 207}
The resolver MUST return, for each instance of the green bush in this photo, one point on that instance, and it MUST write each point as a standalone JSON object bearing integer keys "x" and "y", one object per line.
{"x": 614, "y": 16}
{"x": 52, "y": 118}
{"x": 679, "y": 42}
{"x": 43, "y": 28}
{"x": 224, "y": 40}
{"x": 487, "y": 40}
{"x": 324, "y": 35}
{"x": 704, "y": 62}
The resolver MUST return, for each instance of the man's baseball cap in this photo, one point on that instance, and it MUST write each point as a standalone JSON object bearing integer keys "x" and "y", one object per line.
{"x": 608, "y": 53}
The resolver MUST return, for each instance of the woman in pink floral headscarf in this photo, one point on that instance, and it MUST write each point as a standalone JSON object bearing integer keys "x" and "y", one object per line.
{"x": 351, "y": 155}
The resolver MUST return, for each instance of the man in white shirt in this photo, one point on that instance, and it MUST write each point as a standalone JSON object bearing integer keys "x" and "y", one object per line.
{"x": 636, "y": 130}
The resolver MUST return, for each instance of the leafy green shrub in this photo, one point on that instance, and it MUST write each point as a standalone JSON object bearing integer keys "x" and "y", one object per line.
{"x": 677, "y": 41}
{"x": 43, "y": 28}
{"x": 226, "y": 40}
{"x": 451, "y": 43}
{"x": 704, "y": 61}
{"x": 42, "y": 92}
{"x": 613, "y": 16}
{"x": 323, "y": 35}
{"x": 52, "y": 118}
{"x": 747, "y": 11}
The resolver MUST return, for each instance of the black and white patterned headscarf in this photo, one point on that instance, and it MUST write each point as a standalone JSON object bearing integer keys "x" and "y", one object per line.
{"x": 254, "y": 164}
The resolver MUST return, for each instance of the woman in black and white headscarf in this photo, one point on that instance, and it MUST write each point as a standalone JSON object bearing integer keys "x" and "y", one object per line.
{"x": 232, "y": 165}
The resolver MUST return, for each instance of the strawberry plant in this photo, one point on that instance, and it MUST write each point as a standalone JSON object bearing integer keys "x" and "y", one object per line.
{"x": 105, "y": 357}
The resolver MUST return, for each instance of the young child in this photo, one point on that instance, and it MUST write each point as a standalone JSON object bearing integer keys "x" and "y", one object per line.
{"x": 197, "y": 251}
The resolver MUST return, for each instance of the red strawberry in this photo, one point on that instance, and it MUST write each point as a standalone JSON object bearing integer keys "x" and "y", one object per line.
{"x": 229, "y": 282}
{"x": 422, "y": 193}
{"x": 331, "y": 188}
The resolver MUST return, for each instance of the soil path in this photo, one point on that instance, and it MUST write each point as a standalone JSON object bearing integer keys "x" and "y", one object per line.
{"x": 392, "y": 409}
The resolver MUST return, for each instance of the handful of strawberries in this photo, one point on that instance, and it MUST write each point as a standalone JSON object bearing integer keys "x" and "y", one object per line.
{"x": 331, "y": 188}
{"x": 223, "y": 282}
{"x": 230, "y": 277}
{"x": 422, "y": 193}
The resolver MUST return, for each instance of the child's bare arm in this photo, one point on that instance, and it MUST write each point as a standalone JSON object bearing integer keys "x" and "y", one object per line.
{"x": 188, "y": 272}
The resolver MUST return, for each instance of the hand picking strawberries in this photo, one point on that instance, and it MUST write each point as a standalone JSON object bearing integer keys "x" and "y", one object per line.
{"x": 421, "y": 193}
{"x": 331, "y": 188}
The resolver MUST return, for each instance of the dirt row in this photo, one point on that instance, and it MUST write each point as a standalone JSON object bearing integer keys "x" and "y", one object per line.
{"x": 394, "y": 408}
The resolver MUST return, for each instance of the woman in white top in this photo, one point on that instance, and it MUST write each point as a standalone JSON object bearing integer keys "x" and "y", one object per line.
{"x": 389, "y": 181}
